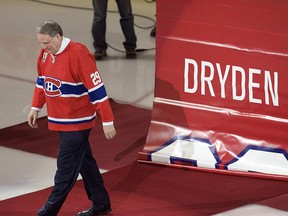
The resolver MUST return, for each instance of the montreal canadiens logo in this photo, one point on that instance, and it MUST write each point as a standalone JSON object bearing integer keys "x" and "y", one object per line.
{"x": 52, "y": 87}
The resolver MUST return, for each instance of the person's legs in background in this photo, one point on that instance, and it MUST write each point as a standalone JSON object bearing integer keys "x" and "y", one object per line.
{"x": 99, "y": 28}
{"x": 127, "y": 26}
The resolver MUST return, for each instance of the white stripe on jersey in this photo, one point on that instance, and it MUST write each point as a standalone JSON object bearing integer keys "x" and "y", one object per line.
{"x": 72, "y": 119}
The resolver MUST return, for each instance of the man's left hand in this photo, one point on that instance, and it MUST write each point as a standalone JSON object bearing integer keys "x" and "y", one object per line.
{"x": 109, "y": 131}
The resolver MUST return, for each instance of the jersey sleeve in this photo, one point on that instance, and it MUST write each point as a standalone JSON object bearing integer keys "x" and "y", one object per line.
{"x": 92, "y": 80}
{"x": 38, "y": 99}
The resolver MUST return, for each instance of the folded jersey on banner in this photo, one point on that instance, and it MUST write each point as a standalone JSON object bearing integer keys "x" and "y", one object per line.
{"x": 221, "y": 97}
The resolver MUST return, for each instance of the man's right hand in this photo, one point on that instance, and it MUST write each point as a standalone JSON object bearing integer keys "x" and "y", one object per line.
{"x": 32, "y": 118}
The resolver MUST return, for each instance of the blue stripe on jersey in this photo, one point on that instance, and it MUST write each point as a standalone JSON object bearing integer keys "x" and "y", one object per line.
{"x": 69, "y": 89}
{"x": 71, "y": 121}
{"x": 40, "y": 81}
{"x": 97, "y": 94}
{"x": 73, "y": 89}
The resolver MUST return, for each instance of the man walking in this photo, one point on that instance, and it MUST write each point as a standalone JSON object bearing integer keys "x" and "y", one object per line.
{"x": 71, "y": 87}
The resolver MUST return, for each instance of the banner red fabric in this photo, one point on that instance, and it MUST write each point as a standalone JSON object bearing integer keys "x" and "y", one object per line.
{"x": 221, "y": 96}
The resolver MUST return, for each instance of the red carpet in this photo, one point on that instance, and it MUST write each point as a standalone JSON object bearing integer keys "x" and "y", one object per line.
{"x": 131, "y": 123}
{"x": 140, "y": 189}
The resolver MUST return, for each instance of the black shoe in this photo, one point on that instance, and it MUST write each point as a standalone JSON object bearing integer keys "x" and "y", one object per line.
{"x": 153, "y": 32}
{"x": 130, "y": 53}
{"x": 100, "y": 54}
{"x": 93, "y": 212}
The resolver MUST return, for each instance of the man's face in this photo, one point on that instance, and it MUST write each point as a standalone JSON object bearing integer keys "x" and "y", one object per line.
{"x": 51, "y": 44}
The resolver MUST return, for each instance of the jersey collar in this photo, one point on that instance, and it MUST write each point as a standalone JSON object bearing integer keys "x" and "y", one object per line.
{"x": 64, "y": 44}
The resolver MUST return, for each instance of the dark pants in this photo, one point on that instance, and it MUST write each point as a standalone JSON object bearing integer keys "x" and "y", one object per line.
{"x": 126, "y": 22}
{"x": 75, "y": 157}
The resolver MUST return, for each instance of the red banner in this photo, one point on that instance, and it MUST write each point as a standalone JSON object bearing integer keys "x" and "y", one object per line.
{"x": 221, "y": 98}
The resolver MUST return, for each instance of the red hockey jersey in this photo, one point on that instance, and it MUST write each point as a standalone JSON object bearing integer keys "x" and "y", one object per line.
{"x": 71, "y": 86}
